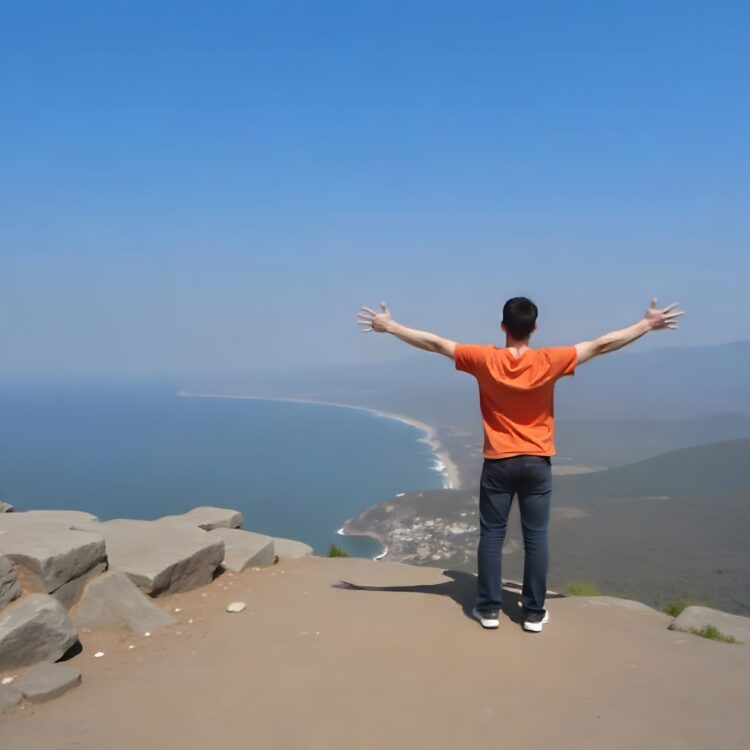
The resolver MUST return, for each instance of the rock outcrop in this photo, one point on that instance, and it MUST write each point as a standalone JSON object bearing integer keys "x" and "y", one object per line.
{"x": 47, "y": 557}
{"x": 696, "y": 618}
{"x": 291, "y": 548}
{"x": 244, "y": 549}
{"x": 10, "y": 589}
{"x": 5, "y": 507}
{"x": 113, "y": 600}
{"x": 35, "y": 629}
{"x": 160, "y": 556}
{"x": 46, "y": 681}
{"x": 207, "y": 518}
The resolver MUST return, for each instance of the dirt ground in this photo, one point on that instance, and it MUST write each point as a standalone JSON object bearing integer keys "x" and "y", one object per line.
{"x": 316, "y": 663}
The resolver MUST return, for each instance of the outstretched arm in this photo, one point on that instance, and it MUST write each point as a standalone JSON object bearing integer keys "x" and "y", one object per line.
{"x": 653, "y": 320}
{"x": 382, "y": 322}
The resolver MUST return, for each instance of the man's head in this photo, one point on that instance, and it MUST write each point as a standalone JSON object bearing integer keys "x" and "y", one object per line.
{"x": 519, "y": 318}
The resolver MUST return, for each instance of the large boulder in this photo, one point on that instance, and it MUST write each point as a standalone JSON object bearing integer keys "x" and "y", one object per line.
{"x": 291, "y": 548}
{"x": 10, "y": 589}
{"x": 35, "y": 629}
{"x": 66, "y": 519}
{"x": 207, "y": 518}
{"x": 5, "y": 507}
{"x": 160, "y": 557}
{"x": 243, "y": 549}
{"x": 697, "y": 618}
{"x": 113, "y": 600}
{"x": 44, "y": 682}
{"x": 49, "y": 557}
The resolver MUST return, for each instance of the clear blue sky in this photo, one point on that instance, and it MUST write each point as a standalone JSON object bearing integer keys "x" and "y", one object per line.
{"x": 218, "y": 186}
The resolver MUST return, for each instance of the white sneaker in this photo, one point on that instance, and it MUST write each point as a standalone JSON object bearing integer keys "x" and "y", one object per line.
{"x": 487, "y": 619}
{"x": 535, "y": 621}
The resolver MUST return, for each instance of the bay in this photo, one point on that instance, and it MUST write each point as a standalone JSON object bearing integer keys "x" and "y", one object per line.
{"x": 296, "y": 470}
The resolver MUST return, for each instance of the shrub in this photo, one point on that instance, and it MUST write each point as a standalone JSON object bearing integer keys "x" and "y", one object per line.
{"x": 712, "y": 633}
{"x": 582, "y": 589}
{"x": 335, "y": 551}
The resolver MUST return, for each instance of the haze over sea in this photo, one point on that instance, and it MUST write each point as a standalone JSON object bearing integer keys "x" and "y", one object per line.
{"x": 138, "y": 451}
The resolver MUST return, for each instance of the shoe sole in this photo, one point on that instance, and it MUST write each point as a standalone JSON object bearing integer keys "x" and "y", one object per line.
{"x": 485, "y": 622}
{"x": 536, "y": 627}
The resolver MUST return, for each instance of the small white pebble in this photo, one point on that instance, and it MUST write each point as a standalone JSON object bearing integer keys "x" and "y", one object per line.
{"x": 147, "y": 634}
{"x": 236, "y": 607}
{"x": 7, "y": 680}
{"x": 131, "y": 646}
{"x": 177, "y": 609}
{"x": 190, "y": 621}
{"x": 204, "y": 594}
{"x": 317, "y": 632}
{"x": 98, "y": 654}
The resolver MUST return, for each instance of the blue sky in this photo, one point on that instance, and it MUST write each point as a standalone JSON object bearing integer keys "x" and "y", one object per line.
{"x": 218, "y": 186}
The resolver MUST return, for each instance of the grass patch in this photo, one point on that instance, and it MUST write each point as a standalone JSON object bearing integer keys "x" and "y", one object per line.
{"x": 713, "y": 634}
{"x": 582, "y": 589}
{"x": 676, "y": 607}
{"x": 335, "y": 551}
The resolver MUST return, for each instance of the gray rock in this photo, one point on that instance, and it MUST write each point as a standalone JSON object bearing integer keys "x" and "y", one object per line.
{"x": 113, "y": 600}
{"x": 243, "y": 549}
{"x": 37, "y": 518}
{"x": 5, "y": 507}
{"x": 8, "y": 699}
{"x": 44, "y": 682}
{"x": 291, "y": 548}
{"x": 161, "y": 557}
{"x": 208, "y": 518}
{"x": 50, "y": 555}
{"x": 10, "y": 589}
{"x": 69, "y": 592}
{"x": 697, "y": 618}
{"x": 35, "y": 629}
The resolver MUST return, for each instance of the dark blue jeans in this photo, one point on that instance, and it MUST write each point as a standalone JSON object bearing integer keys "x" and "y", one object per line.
{"x": 529, "y": 477}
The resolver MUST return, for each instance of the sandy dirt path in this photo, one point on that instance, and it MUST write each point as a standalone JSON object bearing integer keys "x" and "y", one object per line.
{"x": 313, "y": 665}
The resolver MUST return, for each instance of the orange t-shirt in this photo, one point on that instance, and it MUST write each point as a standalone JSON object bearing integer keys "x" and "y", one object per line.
{"x": 516, "y": 395}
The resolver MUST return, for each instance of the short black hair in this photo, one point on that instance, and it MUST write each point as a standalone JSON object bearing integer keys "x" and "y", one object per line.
{"x": 519, "y": 317}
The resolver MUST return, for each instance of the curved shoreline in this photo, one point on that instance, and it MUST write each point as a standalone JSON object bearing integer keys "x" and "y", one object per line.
{"x": 445, "y": 464}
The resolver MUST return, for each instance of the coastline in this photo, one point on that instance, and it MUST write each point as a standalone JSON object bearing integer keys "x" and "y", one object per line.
{"x": 445, "y": 464}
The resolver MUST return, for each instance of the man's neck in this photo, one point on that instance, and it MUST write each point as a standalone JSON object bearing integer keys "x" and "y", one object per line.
{"x": 517, "y": 346}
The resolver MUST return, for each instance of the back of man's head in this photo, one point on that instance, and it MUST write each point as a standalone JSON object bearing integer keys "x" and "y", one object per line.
{"x": 519, "y": 317}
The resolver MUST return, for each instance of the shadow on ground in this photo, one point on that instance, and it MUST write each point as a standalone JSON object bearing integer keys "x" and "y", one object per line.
{"x": 461, "y": 588}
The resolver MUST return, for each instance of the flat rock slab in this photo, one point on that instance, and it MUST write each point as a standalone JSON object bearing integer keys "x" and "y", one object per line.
{"x": 630, "y": 604}
{"x": 291, "y": 548}
{"x": 10, "y": 589}
{"x": 36, "y": 518}
{"x": 113, "y": 600}
{"x": 697, "y": 618}
{"x": 44, "y": 682}
{"x": 160, "y": 557}
{"x": 52, "y": 555}
{"x": 9, "y": 698}
{"x": 207, "y": 518}
{"x": 34, "y": 629}
{"x": 245, "y": 549}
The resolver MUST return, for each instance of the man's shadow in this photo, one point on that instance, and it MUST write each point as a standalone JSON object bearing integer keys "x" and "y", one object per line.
{"x": 462, "y": 588}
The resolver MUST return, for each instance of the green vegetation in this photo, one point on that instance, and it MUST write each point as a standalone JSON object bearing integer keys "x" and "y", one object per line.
{"x": 582, "y": 589}
{"x": 710, "y": 632}
{"x": 335, "y": 551}
{"x": 675, "y": 608}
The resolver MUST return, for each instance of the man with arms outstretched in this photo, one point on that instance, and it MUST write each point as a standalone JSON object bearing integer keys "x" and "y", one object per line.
{"x": 516, "y": 388}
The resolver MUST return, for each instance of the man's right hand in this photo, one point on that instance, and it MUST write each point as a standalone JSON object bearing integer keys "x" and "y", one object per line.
{"x": 664, "y": 318}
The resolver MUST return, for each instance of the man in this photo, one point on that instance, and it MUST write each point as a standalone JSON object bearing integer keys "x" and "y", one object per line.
{"x": 516, "y": 386}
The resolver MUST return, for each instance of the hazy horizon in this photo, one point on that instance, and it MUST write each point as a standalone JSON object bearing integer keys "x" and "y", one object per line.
{"x": 219, "y": 188}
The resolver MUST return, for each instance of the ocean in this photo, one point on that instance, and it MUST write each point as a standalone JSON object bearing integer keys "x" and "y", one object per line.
{"x": 297, "y": 470}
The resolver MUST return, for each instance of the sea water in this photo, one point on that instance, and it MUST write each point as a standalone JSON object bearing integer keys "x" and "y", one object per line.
{"x": 139, "y": 451}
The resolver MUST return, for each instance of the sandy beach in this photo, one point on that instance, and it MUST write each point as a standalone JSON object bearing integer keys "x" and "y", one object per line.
{"x": 313, "y": 663}
{"x": 445, "y": 464}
